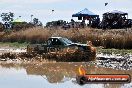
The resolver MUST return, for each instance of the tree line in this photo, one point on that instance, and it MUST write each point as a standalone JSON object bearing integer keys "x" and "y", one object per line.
{"x": 8, "y": 22}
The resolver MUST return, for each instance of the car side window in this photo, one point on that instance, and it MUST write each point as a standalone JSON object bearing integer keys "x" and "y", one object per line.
{"x": 58, "y": 42}
{"x": 54, "y": 42}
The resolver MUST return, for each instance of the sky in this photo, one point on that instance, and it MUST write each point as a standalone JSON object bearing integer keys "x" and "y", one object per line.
{"x": 63, "y": 9}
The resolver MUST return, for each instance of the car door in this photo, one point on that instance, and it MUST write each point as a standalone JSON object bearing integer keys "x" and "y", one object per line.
{"x": 54, "y": 45}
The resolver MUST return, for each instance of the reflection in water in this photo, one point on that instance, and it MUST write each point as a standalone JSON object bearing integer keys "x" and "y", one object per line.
{"x": 63, "y": 73}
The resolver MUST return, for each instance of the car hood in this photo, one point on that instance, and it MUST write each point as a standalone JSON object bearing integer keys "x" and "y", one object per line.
{"x": 78, "y": 44}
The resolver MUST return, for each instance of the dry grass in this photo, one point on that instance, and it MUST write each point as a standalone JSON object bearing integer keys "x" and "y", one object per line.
{"x": 120, "y": 38}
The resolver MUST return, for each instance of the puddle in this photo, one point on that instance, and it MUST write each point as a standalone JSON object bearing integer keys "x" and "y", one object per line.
{"x": 52, "y": 75}
{"x": 63, "y": 75}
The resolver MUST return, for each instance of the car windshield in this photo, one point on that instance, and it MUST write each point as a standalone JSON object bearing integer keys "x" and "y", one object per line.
{"x": 66, "y": 41}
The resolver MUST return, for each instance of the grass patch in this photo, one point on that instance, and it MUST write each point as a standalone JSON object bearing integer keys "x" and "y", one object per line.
{"x": 14, "y": 44}
{"x": 114, "y": 51}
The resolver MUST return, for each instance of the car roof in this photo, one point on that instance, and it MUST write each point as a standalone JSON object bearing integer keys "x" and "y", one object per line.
{"x": 56, "y": 37}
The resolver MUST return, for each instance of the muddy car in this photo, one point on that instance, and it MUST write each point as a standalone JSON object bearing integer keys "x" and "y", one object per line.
{"x": 61, "y": 45}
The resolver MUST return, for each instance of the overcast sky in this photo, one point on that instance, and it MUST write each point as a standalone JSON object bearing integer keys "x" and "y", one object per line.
{"x": 63, "y": 9}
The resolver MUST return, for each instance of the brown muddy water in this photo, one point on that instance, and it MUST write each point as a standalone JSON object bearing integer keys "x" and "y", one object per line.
{"x": 52, "y": 75}
{"x": 17, "y": 74}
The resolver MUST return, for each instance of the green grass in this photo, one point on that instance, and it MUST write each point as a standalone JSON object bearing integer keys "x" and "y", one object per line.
{"x": 114, "y": 51}
{"x": 14, "y": 44}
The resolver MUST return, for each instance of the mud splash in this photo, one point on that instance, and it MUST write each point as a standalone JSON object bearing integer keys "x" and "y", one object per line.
{"x": 108, "y": 59}
{"x": 60, "y": 56}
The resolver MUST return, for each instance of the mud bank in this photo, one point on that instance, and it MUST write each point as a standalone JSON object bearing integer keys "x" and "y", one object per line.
{"x": 9, "y": 53}
{"x": 115, "y": 61}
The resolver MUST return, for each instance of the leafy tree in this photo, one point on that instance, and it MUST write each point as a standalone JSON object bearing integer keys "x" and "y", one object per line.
{"x": 36, "y": 22}
{"x": 7, "y": 18}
